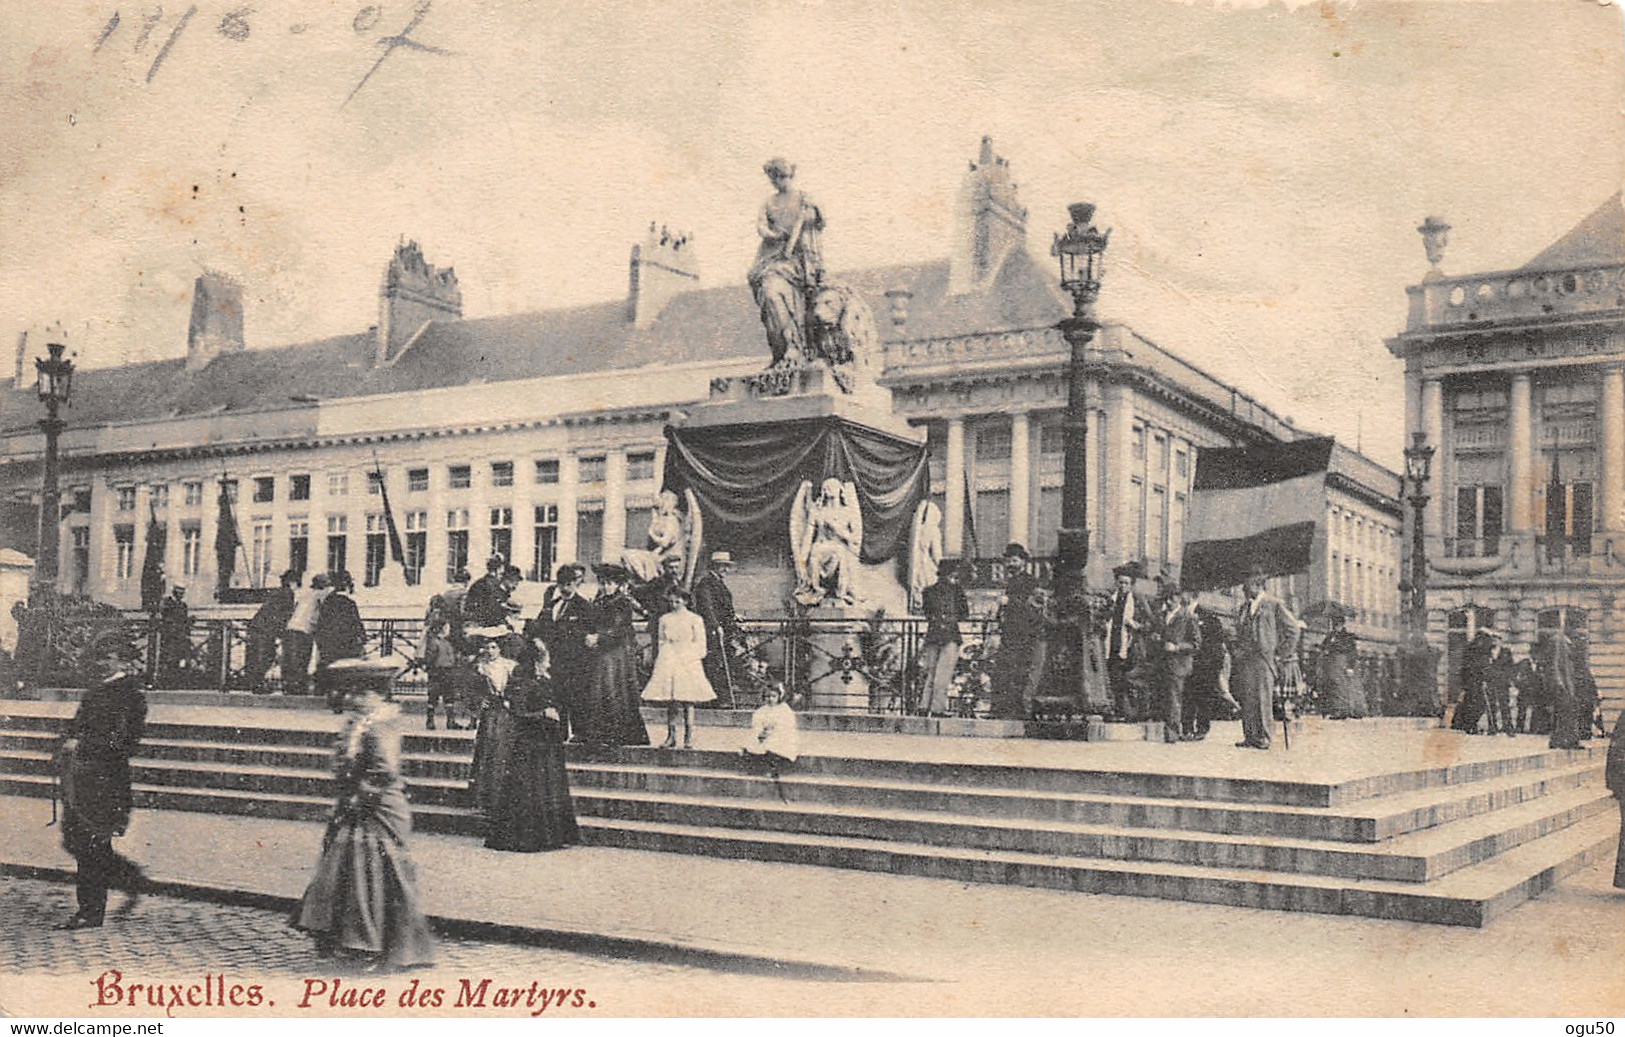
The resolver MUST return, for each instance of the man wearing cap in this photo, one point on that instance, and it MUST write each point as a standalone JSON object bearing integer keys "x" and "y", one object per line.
{"x": 174, "y": 636}
{"x": 945, "y": 608}
{"x": 1126, "y": 617}
{"x": 95, "y": 767}
{"x": 715, "y": 604}
{"x": 1266, "y": 635}
{"x": 1181, "y": 638}
{"x": 1022, "y": 647}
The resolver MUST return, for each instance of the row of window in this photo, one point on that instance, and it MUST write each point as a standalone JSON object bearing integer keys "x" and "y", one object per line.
{"x": 640, "y": 467}
{"x": 1569, "y": 520}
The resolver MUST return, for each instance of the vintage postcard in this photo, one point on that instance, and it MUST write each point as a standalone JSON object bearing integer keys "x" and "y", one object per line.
{"x": 513, "y": 509}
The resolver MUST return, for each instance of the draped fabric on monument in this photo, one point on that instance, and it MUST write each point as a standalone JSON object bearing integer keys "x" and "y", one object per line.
{"x": 1256, "y": 506}
{"x": 746, "y": 477}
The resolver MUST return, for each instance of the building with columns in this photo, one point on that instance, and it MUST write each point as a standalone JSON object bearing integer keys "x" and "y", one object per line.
{"x": 1517, "y": 378}
{"x": 539, "y": 436}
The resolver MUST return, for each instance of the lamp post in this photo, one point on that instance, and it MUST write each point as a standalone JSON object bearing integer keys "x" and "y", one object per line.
{"x": 1080, "y": 249}
{"x": 1419, "y": 660}
{"x": 55, "y": 390}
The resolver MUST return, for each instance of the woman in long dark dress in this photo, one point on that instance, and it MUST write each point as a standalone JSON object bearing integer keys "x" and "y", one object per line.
{"x": 1340, "y": 672}
{"x": 493, "y": 745}
{"x": 609, "y": 709}
{"x": 363, "y": 898}
{"x": 532, "y": 809}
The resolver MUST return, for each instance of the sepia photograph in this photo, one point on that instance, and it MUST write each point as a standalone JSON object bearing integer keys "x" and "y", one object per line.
{"x": 1108, "y": 509}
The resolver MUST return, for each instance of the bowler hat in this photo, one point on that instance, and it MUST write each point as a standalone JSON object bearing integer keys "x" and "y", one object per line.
{"x": 608, "y": 571}
{"x": 1130, "y": 569}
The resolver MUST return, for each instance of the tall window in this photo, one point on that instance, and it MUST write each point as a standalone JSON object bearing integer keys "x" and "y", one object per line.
{"x": 81, "y": 558}
{"x": 264, "y": 489}
{"x": 640, "y": 467}
{"x": 637, "y": 524}
{"x": 1568, "y": 518}
{"x": 1136, "y": 503}
{"x": 191, "y": 548}
{"x": 591, "y": 469}
{"x": 299, "y": 544}
{"x": 375, "y": 483}
{"x": 126, "y": 498}
{"x": 992, "y": 519}
{"x": 1047, "y": 539}
{"x": 259, "y": 559}
{"x": 501, "y": 473}
{"x": 124, "y": 548}
{"x": 229, "y": 488}
{"x": 547, "y": 541}
{"x": 590, "y": 535}
{"x": 1156, "y": 547}
{"x": 160, "y": 495}
{"x": 338, "y": 484}
{"x": 194, "y": 493}
{"x": 377, "y": 549}
{"x": 459, "y": 477}
{"x": 417, "y": 480}
{"x": 417, "y": 545}
{"x": 338, "y": 529}
{"x": 502, "y": 533}
{"x": 456, "y": 542}
{"x": 1478, "y": 521}
{"x": 547, "y": 471}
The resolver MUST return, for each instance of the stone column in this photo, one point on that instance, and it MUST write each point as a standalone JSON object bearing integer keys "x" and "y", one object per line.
{"x": 1613, "y": 447}
{"x": 1021, "y": 482}
{"x": 953, "y": 477}
{"x": 1521, "y": 464}
{"x": 1117, "y": 511}
{"x": 569, "y": 488}
{"x": 614, "y": 504}
{"x": 1433, "y": 425}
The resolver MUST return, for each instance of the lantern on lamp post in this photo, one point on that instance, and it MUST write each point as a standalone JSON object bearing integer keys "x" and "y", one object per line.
{"x": 55, "y": 373}
{"x": 1080, "y": 250}
{"x": 1418, "y": 660}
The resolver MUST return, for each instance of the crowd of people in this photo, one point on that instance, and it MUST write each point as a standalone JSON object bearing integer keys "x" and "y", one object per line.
{"x": 1550, "y": 691}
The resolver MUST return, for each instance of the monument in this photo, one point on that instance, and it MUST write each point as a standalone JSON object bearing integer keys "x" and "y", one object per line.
{"x": 801, "y": 471}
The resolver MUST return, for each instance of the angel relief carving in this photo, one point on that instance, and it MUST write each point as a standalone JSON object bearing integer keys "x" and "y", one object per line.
{"x": 826, "y": 535}
{"x": 672, "y": 533}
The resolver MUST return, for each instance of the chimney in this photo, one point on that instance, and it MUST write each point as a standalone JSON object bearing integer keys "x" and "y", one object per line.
{"x": 899, "y": 299}
{"x": 22, "y": 356}
{"x": 663, "y": 267}
{"x": 992, "y": 223}
{"x": 412, "y": 294}
{"x": 217, "y": 319}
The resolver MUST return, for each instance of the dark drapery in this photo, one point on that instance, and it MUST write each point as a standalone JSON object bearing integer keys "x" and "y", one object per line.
{"x": 746, "y": 476}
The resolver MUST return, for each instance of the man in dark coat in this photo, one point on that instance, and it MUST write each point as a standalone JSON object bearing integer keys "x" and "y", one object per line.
{"x": 1126, "y": 617}
{"x": 654, "y": 597}
{"x": 564, "y": 624}
{"x": 945, "y": 608}
{"x": 1555, "y": 662}
{"x": 1498, "y": 692}
{"x": 1022, "y": 645}
{"x": 487, "y": 604}
{"x": 95, "y": 767}
{"x": 339, "y": 635}
{"x": 1179, "y": 639}
{"x": 174, "y": 636}
{"x": 714, "y": 603}
{"x": 1475, "y": 665}
{"x": 264, "y": 629}
{"x": 1586, "y": 699}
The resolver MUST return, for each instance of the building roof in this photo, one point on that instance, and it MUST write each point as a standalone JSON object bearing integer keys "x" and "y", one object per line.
{"x": 717, "y": 324}
{"x": 1595, "y": 240}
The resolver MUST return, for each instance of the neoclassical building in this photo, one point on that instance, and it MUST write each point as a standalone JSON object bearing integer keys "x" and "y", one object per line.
{"x": 1517, "y": 378}
{"x": 539, "y": 436}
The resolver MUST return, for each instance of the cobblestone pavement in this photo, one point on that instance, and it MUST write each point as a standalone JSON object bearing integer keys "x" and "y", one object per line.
{"x": 169, "y": 936}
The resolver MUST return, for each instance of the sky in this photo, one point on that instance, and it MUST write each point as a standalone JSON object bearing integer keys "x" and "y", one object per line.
{"x": 1263, "y": 166}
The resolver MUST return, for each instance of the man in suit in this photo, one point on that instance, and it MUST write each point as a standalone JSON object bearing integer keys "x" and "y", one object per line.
{"x": 654, "y": 597}
{"x": 714, "y": 603}
{"x": 564, "y": 624}
{"x": 1126, "y": 617}
{"x": 1022, "y": 645}
{"x": 945, "y": 608}
{"x": 1266, "y": 635}
{"x": 340, "y": 634}
{"x": 1181, "y": 638}
{"x": 174, "y": 637}
{"x": 1475, "y": 666}
{"x": 95, "y": 765}
{"x": 264, "y": 629}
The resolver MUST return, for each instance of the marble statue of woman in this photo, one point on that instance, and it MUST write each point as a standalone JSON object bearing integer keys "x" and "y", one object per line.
{"x": 789, "y": 263}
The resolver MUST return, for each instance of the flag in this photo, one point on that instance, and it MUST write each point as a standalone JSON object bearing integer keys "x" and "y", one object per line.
{"x": 152, "y": 567}
{"x": 969, "y": 550}
{"x": 396, "y": 551}
{"x": 226, "y": 540}
{"x": 1254, "y": 506}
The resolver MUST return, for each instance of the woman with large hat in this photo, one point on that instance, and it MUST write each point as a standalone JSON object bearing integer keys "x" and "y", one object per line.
{"x": 363, "y": 898}
{"x": 531, "y": 809}
{"x": 608, "y": 707}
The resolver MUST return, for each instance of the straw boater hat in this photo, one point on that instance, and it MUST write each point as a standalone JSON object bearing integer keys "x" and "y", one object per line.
{"x": 721, "y": 558}
{"x": 491, "y": 633}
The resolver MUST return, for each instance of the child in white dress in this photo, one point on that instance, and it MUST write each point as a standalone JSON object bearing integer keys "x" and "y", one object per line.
{"x": 679, "y": 678}
{"x": 774, "y": 738}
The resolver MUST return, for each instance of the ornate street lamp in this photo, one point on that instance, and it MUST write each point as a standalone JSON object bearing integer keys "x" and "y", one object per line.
{"x": 1081, "y": 251}
{"x": 1419, "y": 661}
{"x": 55, "y": 391}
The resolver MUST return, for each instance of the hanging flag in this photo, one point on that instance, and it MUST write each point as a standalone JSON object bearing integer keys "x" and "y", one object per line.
{"x": 1254, "y": 506}
{"x": 226, "y": 539}
{"x": 396, "y": 551}
{"x": 152, "y": 567}
{"x": 968, "y": 550}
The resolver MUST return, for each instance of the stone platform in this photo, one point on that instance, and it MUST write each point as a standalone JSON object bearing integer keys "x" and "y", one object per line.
{"x": 1375, "y": 818}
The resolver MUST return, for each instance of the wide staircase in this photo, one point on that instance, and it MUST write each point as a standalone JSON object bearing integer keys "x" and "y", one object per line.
{"x": 1456, "y": 841}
